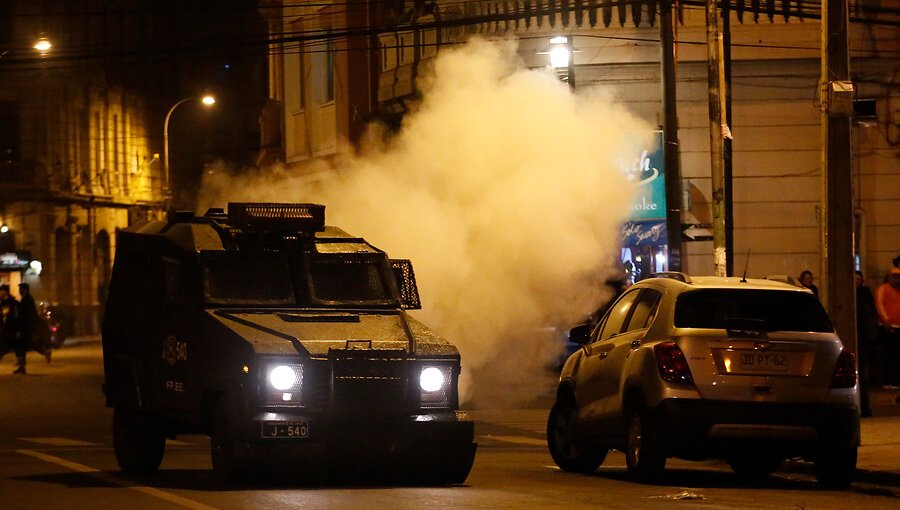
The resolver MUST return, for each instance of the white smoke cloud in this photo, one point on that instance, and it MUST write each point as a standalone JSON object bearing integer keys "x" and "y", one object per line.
{"x": 504, "y": 189}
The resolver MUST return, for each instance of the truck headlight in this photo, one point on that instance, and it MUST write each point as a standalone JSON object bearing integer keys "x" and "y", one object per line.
{"x": 283, "y": 382}
{"x": 283, "y": 377}
{"x": 435, "y": 382}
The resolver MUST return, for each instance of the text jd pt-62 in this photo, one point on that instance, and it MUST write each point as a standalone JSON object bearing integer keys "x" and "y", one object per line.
{"x": 284, "y": 340}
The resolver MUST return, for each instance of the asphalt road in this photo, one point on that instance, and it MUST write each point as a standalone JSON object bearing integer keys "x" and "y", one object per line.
{"x": 56, "y": 453}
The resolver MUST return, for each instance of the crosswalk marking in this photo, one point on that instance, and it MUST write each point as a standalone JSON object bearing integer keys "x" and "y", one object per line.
{"x": 57, "y": 441}
{"x": 65, "y": 441}
{"x": 96, "y": 473}
{"x": 530, "y": 441}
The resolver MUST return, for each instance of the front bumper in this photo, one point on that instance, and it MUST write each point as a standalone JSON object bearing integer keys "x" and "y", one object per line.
{"x": 701, "y": 428}
{"x": 440, "y": 443}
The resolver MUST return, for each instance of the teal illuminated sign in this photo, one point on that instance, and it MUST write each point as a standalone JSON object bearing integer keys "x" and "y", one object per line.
{"x": 646, "y": 225}
{"x": 649, "y": 176}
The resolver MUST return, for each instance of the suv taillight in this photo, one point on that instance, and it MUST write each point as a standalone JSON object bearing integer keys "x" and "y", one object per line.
{"x": 673, "y": 366}
{"x": 844, "y": 371}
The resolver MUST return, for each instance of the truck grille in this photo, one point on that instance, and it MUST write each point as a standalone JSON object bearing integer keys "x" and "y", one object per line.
{"x": 358, "y": 383}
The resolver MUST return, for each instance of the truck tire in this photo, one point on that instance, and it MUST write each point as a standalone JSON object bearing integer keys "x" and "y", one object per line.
{"x": 569, "y": 451}
{"x": 225, "y": 446}
{"x": 138, "y": 441}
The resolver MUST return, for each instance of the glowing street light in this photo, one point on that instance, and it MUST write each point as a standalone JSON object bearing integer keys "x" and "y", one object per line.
{"x": 562, "y": 59}
{"x": 207, "y": 100}
{"x": 559, "y": 52}
{"x": 43, "y": 45}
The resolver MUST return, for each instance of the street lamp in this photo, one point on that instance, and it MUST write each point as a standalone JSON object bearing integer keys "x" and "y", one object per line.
{"x": 562, "y": 58}
{"x": 43, "y": 45}
{"x": 206, "y": 100}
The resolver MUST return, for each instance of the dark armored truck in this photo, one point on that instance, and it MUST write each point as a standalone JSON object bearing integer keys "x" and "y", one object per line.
{"x": 284, "y": 340}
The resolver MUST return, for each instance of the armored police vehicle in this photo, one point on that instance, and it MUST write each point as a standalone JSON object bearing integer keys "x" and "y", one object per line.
{"x": 284, "y": 340}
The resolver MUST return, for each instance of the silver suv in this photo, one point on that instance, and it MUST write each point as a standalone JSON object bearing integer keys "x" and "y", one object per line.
{"x": 749, "y": 371}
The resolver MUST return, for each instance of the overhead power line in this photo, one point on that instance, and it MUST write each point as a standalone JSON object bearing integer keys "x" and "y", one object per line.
{"x": 200, "y": 47}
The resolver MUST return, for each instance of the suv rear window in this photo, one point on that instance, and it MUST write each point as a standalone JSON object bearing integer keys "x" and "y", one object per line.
{"x": 760, "y": 310}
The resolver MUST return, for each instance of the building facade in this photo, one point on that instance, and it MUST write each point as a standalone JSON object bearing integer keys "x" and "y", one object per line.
{"x": 775, "y": 66}
{"x": 78, "y": 161}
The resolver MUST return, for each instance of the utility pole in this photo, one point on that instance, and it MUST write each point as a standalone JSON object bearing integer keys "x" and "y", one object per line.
{"x": 718, "y": 130}
{"x": 726, "y": 142}
{"x": 670, "y": 136}
{"x": 837, "y": 235}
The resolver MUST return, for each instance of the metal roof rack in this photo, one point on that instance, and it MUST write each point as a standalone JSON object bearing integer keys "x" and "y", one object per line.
{"x": 675, "y": 275}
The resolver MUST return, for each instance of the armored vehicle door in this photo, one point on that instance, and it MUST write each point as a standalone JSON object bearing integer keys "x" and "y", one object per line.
{"x": 177, "y": 386}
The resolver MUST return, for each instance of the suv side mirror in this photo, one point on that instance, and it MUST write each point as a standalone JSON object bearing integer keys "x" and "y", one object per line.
{"x": 406, "y": 282}
{"x": 580, "y": 334}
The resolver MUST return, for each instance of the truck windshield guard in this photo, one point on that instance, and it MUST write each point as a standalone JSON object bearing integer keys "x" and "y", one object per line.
{"x": 274, "y": 278}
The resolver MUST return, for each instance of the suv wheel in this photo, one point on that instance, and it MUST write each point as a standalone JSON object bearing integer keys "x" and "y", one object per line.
{"x": 835, "y": 467}
{"x": 224, "y": 445}
{"x": 138, "y": 442}
{"x": 643, "y": 456}
{"x": 568, "y": 450}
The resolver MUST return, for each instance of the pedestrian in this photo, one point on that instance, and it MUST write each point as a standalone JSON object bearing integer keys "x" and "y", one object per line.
{"x": 806, "y": 279}
{"x": 9, "y": 326}
{"x": 31, "y": 334}
{"x": 887, "y": 303}
{"x": 866, "y": 336}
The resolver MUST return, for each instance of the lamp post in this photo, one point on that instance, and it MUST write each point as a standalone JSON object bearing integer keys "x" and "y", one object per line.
{"x": 208, "y": 101}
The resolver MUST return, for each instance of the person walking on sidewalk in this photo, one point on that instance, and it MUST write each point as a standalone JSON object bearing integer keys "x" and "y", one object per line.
{"x": 887, "y": 302}
{"x": 30, "y": 333}
{"x": 9, "y": 326}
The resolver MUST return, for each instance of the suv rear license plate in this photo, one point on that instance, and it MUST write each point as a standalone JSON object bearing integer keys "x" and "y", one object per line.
{"x": 293, "y": 429}
{"x": 754, "y": 361}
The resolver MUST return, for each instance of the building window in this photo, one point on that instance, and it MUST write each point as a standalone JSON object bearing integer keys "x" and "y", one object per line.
{"x": 301, "y": 78}
{"x": 9, "y": 133}
{"x": 329, "y": 67}
{"x": 322, "y": 63}
{"x": 97, "y": 140}
{"x": 117, "y": 177}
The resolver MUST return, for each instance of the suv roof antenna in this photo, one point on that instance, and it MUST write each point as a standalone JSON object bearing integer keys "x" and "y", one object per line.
{"x": 746, "y": 265}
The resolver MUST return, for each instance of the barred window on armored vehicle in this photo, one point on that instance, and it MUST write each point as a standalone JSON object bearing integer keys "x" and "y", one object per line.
{"x": 247, "y": 277}
{"x": 347, "y": 279}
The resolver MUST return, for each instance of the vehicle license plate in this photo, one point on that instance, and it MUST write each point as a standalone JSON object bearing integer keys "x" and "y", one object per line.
{"x": 754, "y": 361}
{"x": 296, "y": 429}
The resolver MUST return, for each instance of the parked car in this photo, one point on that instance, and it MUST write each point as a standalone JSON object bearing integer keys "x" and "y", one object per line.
{"x": 746, "y": 370}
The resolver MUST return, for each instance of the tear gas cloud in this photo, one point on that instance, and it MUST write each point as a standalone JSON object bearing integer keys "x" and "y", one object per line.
{"x": 504, "y": 189}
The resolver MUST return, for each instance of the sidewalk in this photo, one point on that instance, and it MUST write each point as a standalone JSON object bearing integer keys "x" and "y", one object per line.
{"x": 880, "y": 449}
{"x": 879, "y": 454}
